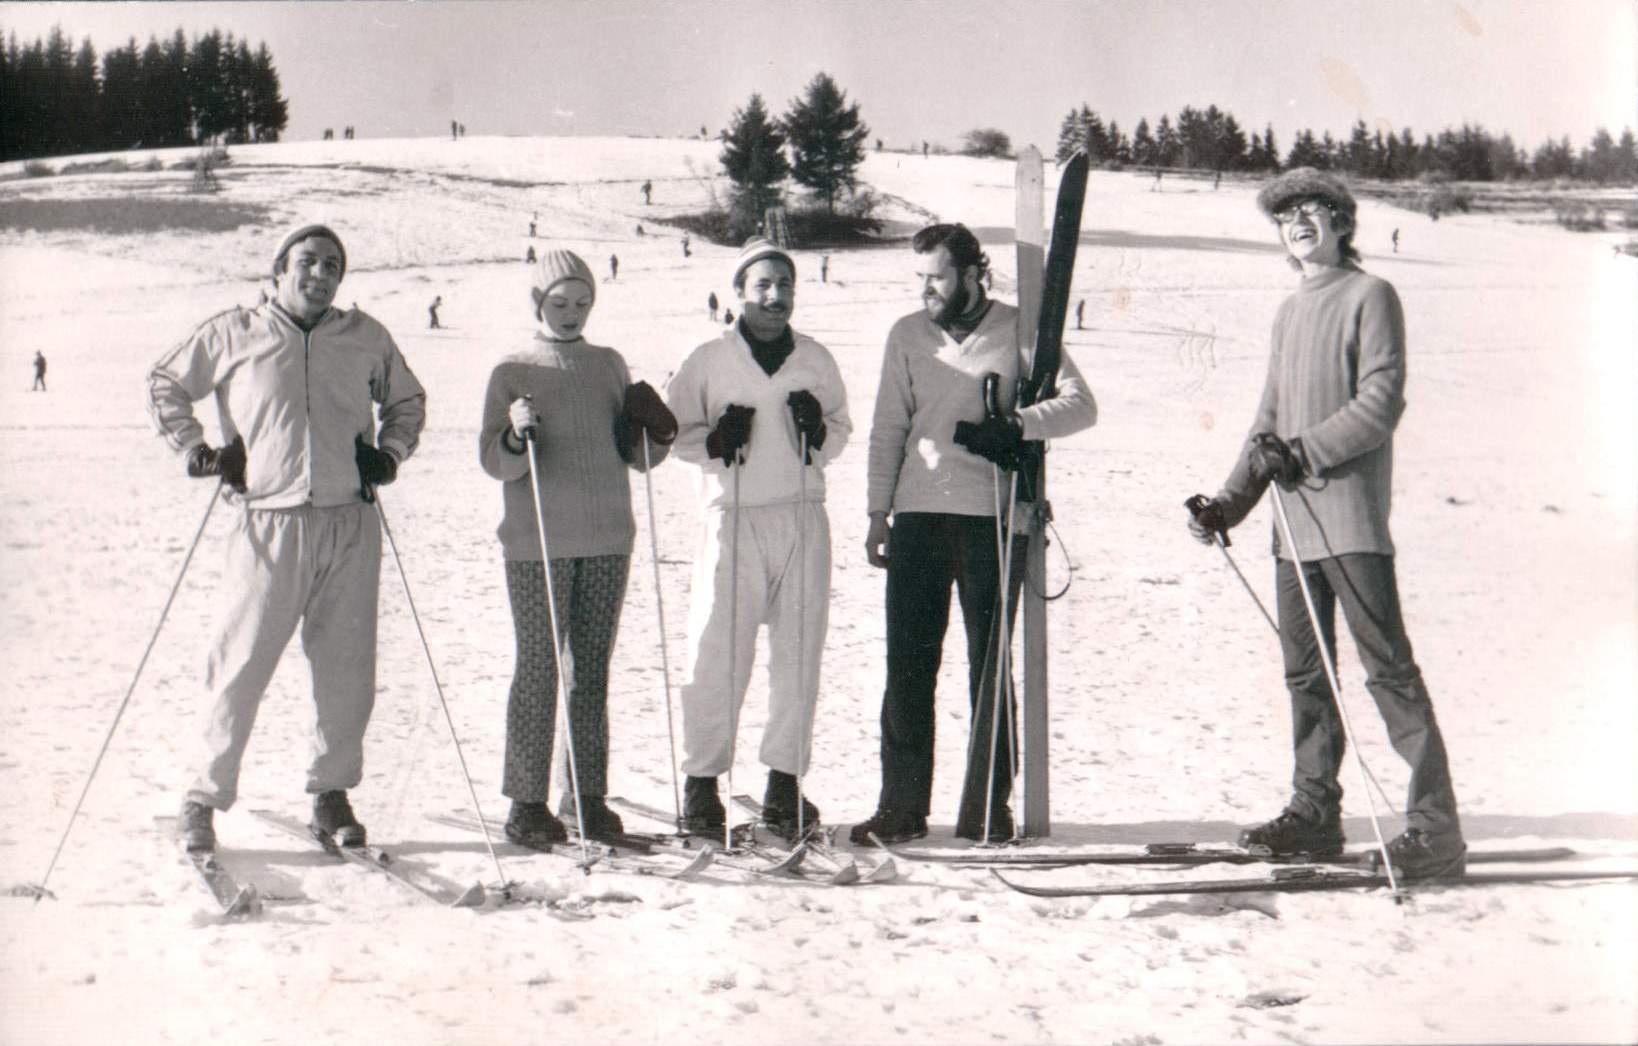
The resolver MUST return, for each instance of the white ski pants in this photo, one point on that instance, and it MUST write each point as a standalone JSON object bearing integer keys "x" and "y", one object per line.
{"x": 774, "y": 586}
{"x": 320, "y": 567}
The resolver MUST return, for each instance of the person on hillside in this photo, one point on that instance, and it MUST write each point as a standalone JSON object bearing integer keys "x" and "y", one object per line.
{"x": 1396, "y": 241}
{"x": 933, "y": 452}
{"x": 711, "y": 305}
{"x": 747, "y": 402}
{"x": 614, "y": 267}
{"x": 432, "y": 312}
{"x": 648, "y": 192}
{"x": 687, "y": 246}
{"x": 824, "y": 269}
{"x": 39, "y": 372}
{"x": 529, "y": 257}
{"x": 587, "y": 422}
{"x": 296, "y": 384}
{"x": 1324, "y": 432}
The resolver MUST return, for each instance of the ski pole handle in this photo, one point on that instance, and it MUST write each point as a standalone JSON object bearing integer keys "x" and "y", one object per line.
{"x": 1197, "y": 505}
{"x": 529, "y": 432}
{"x": 992, "y": 394}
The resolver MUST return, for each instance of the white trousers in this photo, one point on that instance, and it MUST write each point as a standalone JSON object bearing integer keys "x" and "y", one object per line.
{"x": 775, "y": 586}
{"x": 320, "y": 567}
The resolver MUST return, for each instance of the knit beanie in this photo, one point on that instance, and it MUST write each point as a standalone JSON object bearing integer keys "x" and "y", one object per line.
{"x": 556, "y": 266}
{"x": 755, "y": 249}
{"x": 302, "y": 232}
{"x": 1302, "y": 183}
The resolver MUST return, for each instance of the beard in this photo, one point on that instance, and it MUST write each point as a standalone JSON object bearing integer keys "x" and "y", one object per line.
{"x": 954, "y": 306}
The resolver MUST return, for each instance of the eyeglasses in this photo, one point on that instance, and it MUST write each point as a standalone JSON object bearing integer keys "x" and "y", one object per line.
{"x": 1307, "y": 209}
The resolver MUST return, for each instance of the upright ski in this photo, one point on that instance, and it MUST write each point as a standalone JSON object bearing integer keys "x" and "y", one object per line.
{"x": 1308, "y": 879}
{"x": 424, "y": 885}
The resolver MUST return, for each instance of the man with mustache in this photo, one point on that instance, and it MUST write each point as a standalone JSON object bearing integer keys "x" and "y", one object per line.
{"x": 933, "y": 452}
{"x": 295, "y": 382}
{"x": 1334, "y": 394}
{"x": 747, "y": 404}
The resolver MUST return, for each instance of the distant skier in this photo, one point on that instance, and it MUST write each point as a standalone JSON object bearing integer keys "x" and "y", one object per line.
{"x": 639, "y": 228}
{"x": 648, "y": 193}
{"x": 742, "y": 401}
{"x": 933, "y": 453}
{"x": 529, "y": 255}
{"x": 588, "y": 421}
{"x": 1396, "y": 241}
{"x": 454, "y": 130}
{"x": 1324, "y": 433}
{"x": 711, "y": 304}
{"x": 824, "y": 269}
{"x": 298, "y": 386}
{"x": 727, "y": 317}
{"x": 39, "y": 372}
{"x": 687, "y": 253}
{"x": 531, "y": 230}
{"x": 924, "y": 150}
{"x": 614, "y": 267}
{"x": 432, "y": 312}
{"x": 1080, "y": 313}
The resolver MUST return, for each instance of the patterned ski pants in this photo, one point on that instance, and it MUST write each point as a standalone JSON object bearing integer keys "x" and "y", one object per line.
{"x": 589, "y": 592}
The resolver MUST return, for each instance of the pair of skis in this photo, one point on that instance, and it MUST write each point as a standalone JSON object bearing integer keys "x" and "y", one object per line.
{"x": 1312, "y": 878}
{"x": 426, "y": 887}
{"x": 618, "y": 851}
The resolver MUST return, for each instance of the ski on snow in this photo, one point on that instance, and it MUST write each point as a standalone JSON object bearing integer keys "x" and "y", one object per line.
{"x": 1190, "y": 854}
{"x": 425, "y": 885}
{"x": 775, "y": 861}
{"x": 237, "y": 901}
{"x": 608, "y": 849}
{"x": 846, "y": 867}
{"x": 1310, "y": 879}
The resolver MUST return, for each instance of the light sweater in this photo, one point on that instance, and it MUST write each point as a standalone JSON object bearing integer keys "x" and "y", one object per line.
{"x": 929, "y": 382}
{"x": 723, "y": 371}
{"x": 579, "y": 391}
{"x": 1336, "y": 379}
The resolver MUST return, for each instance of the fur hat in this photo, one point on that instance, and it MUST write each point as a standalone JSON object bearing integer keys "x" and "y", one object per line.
{"x": 557, "y": 265}
{"x": 302, "y": 232}
{"x": 755, "y": 249}
{"x": 1302, "y": 183}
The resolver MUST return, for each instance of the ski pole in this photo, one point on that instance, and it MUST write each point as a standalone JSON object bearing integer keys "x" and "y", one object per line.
{"x": 1331, "y": 678}
{"x": 659, "y": 606}
{"x": 119, "y": 713}
{"x": 733, "y": 648}
{"x": 801, "y": 617}
{"x": 426, "y": 647}
{"x": 1003, "y": 658}
{"x": 557, "y": 647}
{"x": 1196, "y": 505}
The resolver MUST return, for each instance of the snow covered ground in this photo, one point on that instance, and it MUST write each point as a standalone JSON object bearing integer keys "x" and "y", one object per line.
{"x": 1515, "y": 516}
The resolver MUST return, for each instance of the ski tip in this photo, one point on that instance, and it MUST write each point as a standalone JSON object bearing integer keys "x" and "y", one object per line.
{"x": 33, "y": 891}
{"x": 885, "y": 872}
{"x": 247, "y": 904}
{"x": 846, "y": 875}
{"x": 473, "y": 896}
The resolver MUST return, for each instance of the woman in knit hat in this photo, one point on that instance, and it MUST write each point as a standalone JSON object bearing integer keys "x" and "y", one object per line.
{"x": 574, "y": 406}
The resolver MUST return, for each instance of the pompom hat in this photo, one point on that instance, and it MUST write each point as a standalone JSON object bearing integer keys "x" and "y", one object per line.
{"x": 302, "y": 232}
{"x": 755, "y": 249}
{"x": 558, "y": 265}
{"x": 1304, "y": 183}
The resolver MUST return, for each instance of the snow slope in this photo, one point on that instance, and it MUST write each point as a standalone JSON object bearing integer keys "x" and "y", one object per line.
{"x": 1515, "y": 516}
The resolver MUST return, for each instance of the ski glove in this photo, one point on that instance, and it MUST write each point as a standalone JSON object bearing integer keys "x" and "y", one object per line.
{"x": 998, "y": 438}
{"x": 645, "y": 409}
{"x": 1206, "y": 519}
{"x": 522, "y": 422}
{"x": 376, "y": 468}
{"x": 1274, "y": 459}
{"x": 733, "y": 431}
{"x": 809, "y": 418}
{"x": 227, "y": 462}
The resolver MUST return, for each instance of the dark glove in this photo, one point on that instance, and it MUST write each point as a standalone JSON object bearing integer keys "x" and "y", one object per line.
{"x": 1206, "y": 519}
{"x": 645, "y": 409}
{"x": 376, "y": 467}
{"x": 733, "y": 431}
{"x": 228, "y": 462}
{"x": 1272, "y": 458}
{"x": 809, "y": 418}
{"x": 998, "y": 438}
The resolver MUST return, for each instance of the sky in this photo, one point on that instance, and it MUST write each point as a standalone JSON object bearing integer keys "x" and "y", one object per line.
{"x": 919, "y": 70}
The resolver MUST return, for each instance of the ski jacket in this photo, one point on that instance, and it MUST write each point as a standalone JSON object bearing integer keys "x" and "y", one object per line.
{"x": 579, "y": 393}
{"x": 1336, "y": 380}
{"x": 721, "y": 372}
{"x": 929, "y": 382}
{"x": 297, "y": 397}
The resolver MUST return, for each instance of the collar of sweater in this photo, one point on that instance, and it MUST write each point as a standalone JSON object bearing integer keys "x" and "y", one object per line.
{"x": 1329, "y": 276}
{"x": 769, "y": 355}
{"x": 960, "y": 327}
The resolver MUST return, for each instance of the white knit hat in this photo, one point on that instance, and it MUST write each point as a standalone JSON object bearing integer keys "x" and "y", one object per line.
{"x": 755, "y": 249}
{"x": 303, "y": 231}
{"x": 557, "y": 265}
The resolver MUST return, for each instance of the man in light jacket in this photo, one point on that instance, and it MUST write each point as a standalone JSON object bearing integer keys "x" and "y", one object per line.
{"x": 295, "y": 383}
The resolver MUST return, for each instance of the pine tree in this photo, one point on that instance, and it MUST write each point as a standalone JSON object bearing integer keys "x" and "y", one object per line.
{"x": 753, "y": 155}
{"x": 1166, "y": 144}
{"x": 269, "y": 114}
{"x": 1143, "y": 143}
{"x": 827, "y": 140}
{"x": 1071, "y": 135}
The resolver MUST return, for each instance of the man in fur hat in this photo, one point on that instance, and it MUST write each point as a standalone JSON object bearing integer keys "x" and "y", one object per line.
{"x": 1324, "y": 432}
{"x": 296, "y": 383}
{"x": 748, "y": 404}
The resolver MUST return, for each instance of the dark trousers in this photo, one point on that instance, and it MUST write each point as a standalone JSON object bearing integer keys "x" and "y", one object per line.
{"x": 926, "y": 553}
{"x": 1366, "y": 587}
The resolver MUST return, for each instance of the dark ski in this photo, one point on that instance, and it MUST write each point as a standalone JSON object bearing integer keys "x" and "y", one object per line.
{"x": 424, "y": 885}
{"x": 1190, "y": 854}
{"x": 1311, "y": 879}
